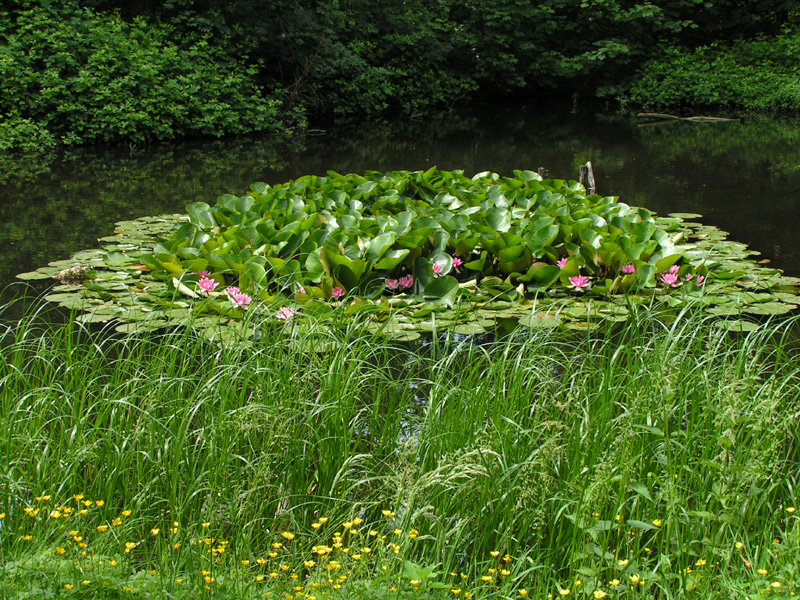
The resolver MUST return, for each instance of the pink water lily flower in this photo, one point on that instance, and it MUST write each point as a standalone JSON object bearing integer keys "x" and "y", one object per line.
{"x": 232, "y": 290}
{"x": 699, "y": 281}
{"x": 457, "y": 262}
{"x": 337, "y": 292}
{"x": 301, "y": 289}
{"x": 240, "y": 300}
{"x": 673, "y": 270}
{"x": 392, "y": 284}
{"x": 202, "y": 274}
{"x": 561, "y": 262}
{"x": 669, "y": 279}
{"x": 407, "y": 281}
{"x": 284, "y": 313}
{"x": 206, "y": 284}
{"x": 437, "y": 270}
{"x": 628, "y": 269}
{"x": 579, "y": 283}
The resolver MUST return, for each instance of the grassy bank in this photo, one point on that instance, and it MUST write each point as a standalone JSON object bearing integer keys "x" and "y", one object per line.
{"x": 660, "y": 463}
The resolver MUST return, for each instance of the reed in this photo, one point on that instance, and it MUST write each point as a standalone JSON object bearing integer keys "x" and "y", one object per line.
{"x": 659, "y": 461}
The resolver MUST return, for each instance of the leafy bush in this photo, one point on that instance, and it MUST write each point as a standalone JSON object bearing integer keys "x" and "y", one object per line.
{"x": 760, "y": 74}
{"x": 74, "y": 76}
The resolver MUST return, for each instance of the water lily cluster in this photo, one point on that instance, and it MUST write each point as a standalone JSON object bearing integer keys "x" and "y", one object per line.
{"x": 405, "y": 244}
{"x": 421, "y": 233}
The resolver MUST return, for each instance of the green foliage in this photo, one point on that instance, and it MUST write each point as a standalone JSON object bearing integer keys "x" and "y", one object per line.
{"x": 129, "y": 71}
{"x": 760, "y": 74}
{"x": 419, "y": 251}
{"x": 667, "y": 453}
{"x": 75, "y": 76}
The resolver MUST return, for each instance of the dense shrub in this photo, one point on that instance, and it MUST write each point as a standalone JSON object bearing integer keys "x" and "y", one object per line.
{"x": 72, "y": 75}
{"x": 762, "y": 74}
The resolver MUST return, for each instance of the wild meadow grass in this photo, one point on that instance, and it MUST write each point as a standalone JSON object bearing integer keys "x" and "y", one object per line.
{"x": 660, "y": 461}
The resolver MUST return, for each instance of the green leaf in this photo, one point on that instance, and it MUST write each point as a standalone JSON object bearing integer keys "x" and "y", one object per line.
{"x": 442, "y": 290}
{"x": 200, "y": 215}
{"x": 379, "y": 245}
{"x": 391, "y": 259}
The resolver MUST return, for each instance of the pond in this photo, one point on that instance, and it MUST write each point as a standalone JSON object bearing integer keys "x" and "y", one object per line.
{"x": 742, "y": 176}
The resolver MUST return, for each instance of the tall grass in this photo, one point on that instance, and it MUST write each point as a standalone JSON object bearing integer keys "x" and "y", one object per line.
{"x": 662, "y": 459}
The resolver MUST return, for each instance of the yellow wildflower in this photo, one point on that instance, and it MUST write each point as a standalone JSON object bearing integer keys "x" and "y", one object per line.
{"x": 68, "y": 586}
{"x": 387, "y": 513}
{"x": 657, "y": 522}
{"x": 762, "y": 571}
{"x": 614, "y": 582}
{"x": 102, "y": 528}
{"x": 287, "y": 535}
{"x": 599, "y": 594}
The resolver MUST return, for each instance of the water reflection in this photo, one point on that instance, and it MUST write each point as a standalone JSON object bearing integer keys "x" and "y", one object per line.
{"x": 744, "y": 177}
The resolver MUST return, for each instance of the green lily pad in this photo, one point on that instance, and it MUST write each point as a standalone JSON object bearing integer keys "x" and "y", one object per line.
{"x": 737, "y": 325}
{"x": 540, "y": 321}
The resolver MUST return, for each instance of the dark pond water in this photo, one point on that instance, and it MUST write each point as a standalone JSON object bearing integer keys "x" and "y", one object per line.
{"x": 744, "y": 177}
